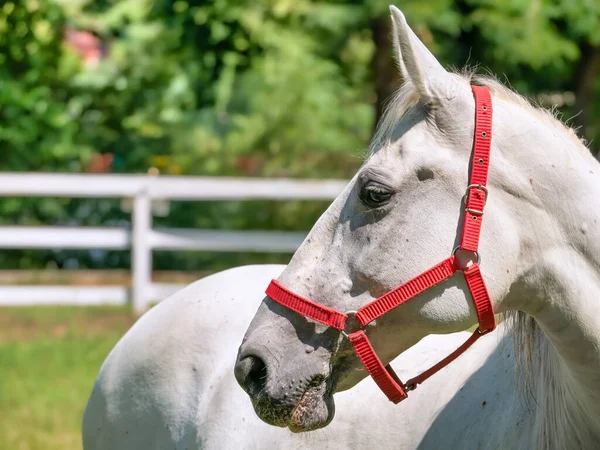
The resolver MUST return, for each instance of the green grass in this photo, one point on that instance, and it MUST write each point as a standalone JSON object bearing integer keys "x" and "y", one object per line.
{"x": 49, "y": 359}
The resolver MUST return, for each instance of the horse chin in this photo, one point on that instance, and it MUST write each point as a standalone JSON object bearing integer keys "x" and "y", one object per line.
{"x": 315, "y": 410}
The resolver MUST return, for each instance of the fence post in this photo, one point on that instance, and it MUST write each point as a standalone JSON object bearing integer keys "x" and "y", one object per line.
{"x": 141, "y": 258}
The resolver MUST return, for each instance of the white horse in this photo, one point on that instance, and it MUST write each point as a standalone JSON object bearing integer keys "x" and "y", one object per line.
{"x": 169, "y": 384}
{"x": 402, "y": 213}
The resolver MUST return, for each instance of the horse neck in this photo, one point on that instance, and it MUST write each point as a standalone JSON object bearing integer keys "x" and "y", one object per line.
{"x": 558, "y": 279}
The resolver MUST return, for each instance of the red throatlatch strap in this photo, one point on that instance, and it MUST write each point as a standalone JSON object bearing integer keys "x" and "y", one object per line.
{"x": 485, "y": 316}
{"x": 414, "y": 382}
{"x": 301, "y": 305}
{"x": 406, "y": 291}
{"x": 476, "y": 197}
{"x": 384, "y": 377}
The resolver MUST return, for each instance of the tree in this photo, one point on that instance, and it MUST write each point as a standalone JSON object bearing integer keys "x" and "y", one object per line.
{"x": 250, "y": 88}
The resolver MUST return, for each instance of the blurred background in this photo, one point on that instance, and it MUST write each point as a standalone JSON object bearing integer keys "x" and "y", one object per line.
{"x": 252, "y": 89}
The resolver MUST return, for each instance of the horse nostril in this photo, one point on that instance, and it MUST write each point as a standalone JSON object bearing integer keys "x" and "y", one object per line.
{"x": 251, "y": 374}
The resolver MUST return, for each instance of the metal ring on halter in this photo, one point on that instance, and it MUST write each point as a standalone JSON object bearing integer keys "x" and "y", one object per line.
{"x": 351, "y": 314}
{"x": 479, "y": 187}
{"x": 457, "y": 248}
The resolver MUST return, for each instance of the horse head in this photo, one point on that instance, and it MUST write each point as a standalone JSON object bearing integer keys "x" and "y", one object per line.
{"x": 400, "y": 214}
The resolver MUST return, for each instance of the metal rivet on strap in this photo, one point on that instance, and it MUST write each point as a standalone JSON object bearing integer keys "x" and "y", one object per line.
{"x": 483, "y": 133}
{"x": 409, "y": 387}
{"x": 474, "y": 217}
{"x": 484, "y": 108}
{"x": 480, "y": 161}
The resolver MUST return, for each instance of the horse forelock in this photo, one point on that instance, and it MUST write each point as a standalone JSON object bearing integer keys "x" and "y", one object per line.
{"x": 396, "y": 107}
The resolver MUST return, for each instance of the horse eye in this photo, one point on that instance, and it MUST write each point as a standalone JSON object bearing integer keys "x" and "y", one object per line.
{"x": 378, "y": 197}
{"x": 374, "y": 196}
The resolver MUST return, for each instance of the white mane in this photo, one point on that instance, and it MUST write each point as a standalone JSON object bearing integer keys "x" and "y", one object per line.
{"x": 406, "y": 98}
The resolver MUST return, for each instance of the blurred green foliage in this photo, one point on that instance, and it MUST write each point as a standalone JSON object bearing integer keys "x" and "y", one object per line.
{"x": 247, "y": 88}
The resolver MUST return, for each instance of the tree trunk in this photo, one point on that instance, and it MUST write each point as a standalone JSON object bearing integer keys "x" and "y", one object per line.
{"x": 386, "y": 76}
{"x": 587, "y": 73}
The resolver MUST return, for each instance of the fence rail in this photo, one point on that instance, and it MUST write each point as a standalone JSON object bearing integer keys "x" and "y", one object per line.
{"x": 113, "y": 238}
{"x": 142, "y": 239}
{"x": 165, "y": 187}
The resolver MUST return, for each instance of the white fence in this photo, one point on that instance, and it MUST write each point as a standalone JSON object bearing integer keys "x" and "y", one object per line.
{"x": 142, "y": 238}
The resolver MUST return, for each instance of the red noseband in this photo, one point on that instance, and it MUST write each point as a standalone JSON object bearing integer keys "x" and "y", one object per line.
{"x": 475, "y": 199}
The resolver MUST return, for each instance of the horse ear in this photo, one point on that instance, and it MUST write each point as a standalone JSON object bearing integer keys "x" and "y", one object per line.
{"x": 417, "y": 65}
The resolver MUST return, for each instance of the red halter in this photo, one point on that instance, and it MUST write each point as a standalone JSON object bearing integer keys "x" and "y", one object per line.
{"x": 475, "y": 199}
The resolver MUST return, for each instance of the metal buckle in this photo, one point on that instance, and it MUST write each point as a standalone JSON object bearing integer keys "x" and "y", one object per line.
{"x": 477, "y": 255}
{"x": 479, "y": 187}
{"x": 357, "y": 325}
